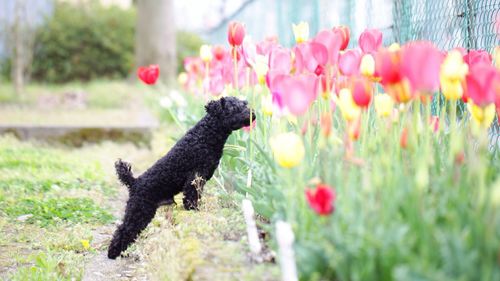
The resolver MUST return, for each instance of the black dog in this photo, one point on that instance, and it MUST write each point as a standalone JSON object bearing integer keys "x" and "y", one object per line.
{"x": 197, "y": 154}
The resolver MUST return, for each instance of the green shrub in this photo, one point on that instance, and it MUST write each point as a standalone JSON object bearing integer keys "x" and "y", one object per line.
{"x": 83, "y": 43}
{"x": 188, "y": 44}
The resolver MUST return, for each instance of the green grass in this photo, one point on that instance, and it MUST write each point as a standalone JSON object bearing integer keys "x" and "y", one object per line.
{"x": 65, "y": 193}
{"x": 54, "y": 210}
{"x": 99, "y": 94}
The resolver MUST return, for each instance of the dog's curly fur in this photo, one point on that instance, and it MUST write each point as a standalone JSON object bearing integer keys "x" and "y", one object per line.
{"x": 197, "y": 154}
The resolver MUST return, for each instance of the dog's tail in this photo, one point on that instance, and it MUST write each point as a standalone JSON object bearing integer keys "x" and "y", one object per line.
{"x": 124, "y": 172}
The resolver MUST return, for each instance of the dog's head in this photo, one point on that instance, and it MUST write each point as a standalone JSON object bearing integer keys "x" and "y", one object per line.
{"x": 232, "y": 113}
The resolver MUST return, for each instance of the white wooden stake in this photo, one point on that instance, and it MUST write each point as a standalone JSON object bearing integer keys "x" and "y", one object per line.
{"x": 285, "y": 237}
{"x": 253, "y": 237}
{"x": 249, "y": 179}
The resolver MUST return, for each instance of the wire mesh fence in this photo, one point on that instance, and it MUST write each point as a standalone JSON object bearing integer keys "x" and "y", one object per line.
{"x": 470, "y": 24}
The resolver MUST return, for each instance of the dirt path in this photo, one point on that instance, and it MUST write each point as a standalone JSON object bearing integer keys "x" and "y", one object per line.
{"x": 209, "y": 244}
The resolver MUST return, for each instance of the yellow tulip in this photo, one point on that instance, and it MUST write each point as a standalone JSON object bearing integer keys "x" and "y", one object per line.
{"x": 384, "y": 105}
{"x": 301, "y": 31}
{"x": 482, "y": 116}
{"x": 394, "y": 47}
{"x": 261, "y": 68}
{"x": 267, "y": 105}
{"x": 206, "y": 53}
{"x": 367, "y": 65}
{"x": 453, "y": 72}
{"x": 350, "y": 111}
{"x": 496, "y": 57}
{"x": 288, "y": 149}
{"x": 182, "y": 78}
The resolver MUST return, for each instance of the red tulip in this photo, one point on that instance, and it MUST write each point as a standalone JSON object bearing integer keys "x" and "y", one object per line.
{"x": 362, "y": 91}
{"x": 483, "y": 84}
{"x": 388, "y": 66}
{"x": 148, "y": 74}
{"x": 345, "y": 35}
{"x": 235, "y": 33}
{"x": 349, "y": 62}
{"x": 321, "y": 199}
{"x": 370, "y": 40}
{"x": 219, "y": 52}
{"x": 421, "y": 63}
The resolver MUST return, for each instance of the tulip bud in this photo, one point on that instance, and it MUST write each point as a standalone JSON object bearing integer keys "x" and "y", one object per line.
{"x": 301, "y": 32}
{"x": 403, "y": 139}
{"x": 235, "y": 33}
{"x": 206, "y": 53}
{"x": 326, "y": 124}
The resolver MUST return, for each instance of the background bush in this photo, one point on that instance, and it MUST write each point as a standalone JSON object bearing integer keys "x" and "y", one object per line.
{"x": 83, "y": 43}
{"x": 188, "y": 45}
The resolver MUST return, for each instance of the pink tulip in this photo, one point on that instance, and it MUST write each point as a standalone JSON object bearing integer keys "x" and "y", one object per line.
{"x": 421, "y": 63}
{"x": 332, "y": 42}
{"x": 483, "y": 84}
{"x": 345, "y": 35}
{"x": 370, "y": 40}
{"x": 265, "y": 47}
{"x": 247, "y": 129}
{"x": 249, "y": 52}
{"x": 298, "y": 92}
{"x": 280, "y": 60}
{"x": 310, "y": 57}
{"x": 474, "y": 57}
{"x": 235, "y": 33}
{"x": 349, "y": 62}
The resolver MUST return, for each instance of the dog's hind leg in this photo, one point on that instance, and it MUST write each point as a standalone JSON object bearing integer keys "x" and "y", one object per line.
{"x": 138, "y": 215}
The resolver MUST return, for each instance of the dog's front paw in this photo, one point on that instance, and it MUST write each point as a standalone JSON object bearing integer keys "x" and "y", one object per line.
{"x": 114, "y": 251}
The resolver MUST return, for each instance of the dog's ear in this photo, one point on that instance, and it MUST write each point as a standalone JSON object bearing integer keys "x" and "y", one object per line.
{"x": 213, "y": 107}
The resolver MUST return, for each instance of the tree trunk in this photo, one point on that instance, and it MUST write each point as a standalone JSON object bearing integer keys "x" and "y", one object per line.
{"x": 18, "y": 50}
{"x": 155, "y": 36}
